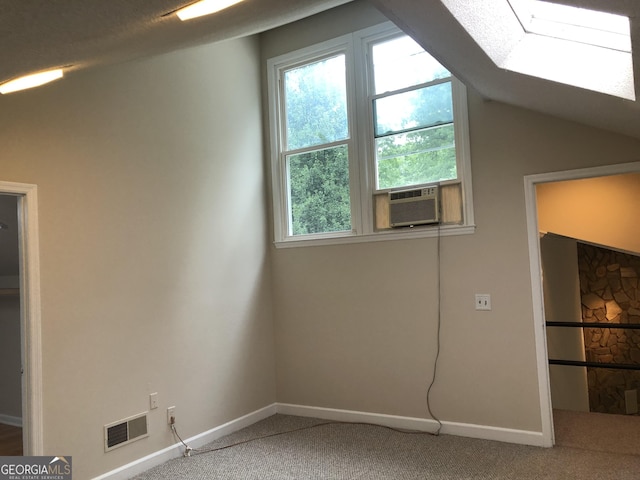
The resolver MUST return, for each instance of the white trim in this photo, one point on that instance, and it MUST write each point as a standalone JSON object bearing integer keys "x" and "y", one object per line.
{"x": 593, "y": 244}
{"x": 463, "y": 147}
{"x": 530, "y": 182}
{"x": 484, "y": 432}
{"x": 275, "y": 67}
{"x": 535, "y": 269}
{"x": 393, "y": 234}
{"x": 10, "y": 420}
{"x": 362, "y": 182}
{"x": 30, "y": 308}
{"x": 197, "y": 441}
{"x": 590, "y": 172}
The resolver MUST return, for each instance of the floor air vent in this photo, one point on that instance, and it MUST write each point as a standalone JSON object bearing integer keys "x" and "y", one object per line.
{"x": 125, "y": 431}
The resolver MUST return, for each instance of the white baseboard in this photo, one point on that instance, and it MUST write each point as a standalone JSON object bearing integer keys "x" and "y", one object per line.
{"x": 523, "y": 437}
{"x": 484, "y": 432}
{"x": 9, "y": 420}
{"x": 175, "y": 451}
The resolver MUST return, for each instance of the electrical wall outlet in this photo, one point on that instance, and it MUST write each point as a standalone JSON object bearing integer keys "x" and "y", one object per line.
{"x": 483, "y": 301}
{"x": 171, "y": 415}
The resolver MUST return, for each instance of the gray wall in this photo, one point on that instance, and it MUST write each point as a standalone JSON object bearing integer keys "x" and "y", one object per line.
{"x": 350, "y": 335}
{"x": 157, "y": 276}
{"x": 561, "y": 287}
{"x": 153, "y": 245}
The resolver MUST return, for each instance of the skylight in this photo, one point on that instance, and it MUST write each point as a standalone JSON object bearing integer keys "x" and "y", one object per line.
{"x": 583, "y": 48}
{"x": 591, "y": 27}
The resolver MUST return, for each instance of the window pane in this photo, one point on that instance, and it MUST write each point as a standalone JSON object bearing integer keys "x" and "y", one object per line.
{"x": 319, "y": 191}
{"x": 421, "y": 156}
{"x": 316, "y": 103}
{"x": 401, "y": 63}
{"x": 424, "y": 107}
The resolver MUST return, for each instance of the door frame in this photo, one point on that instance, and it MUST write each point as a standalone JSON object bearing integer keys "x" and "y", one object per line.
{"x": 32, "y": 419}
{"x": 535, "y": 268}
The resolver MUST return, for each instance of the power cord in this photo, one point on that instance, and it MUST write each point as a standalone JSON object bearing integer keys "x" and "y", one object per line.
{"x": 188, "y": 452}
{"x": 439, "y": 324}
{"x": 196, "y": 451}
{"x": 187, "y": 448}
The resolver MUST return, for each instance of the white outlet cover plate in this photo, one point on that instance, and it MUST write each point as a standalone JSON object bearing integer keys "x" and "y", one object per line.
{"x": 483, "y": 301}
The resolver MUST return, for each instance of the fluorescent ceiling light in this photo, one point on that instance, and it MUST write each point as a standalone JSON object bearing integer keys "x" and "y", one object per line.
{"x": 600, "y": 29}
{"x": 30, "y": 81}
{"x": 204, "y": 7}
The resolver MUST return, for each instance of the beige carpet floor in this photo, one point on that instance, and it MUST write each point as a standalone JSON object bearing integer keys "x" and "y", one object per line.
{"x": 315, "y": 450}
{"x": 601, "y": 432}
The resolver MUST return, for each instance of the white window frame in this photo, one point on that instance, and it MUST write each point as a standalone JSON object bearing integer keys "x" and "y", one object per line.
{"x": 357, "y": 47}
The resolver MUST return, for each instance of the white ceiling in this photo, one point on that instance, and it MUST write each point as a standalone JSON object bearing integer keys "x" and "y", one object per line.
{"x": 42, "y": 34}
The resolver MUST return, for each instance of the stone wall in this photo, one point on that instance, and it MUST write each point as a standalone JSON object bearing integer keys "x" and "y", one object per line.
{"x": 610, "y": 294}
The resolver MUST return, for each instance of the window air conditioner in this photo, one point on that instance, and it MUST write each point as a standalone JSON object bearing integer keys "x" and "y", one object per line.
{"x": 418, "y": 206}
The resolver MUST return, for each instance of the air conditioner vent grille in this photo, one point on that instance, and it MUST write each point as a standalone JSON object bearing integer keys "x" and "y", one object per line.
{"x": 407, "y": 194}
{"x": 418, "y": 206}
{"x": 117, "y": 434}
{"x": 125, "y": 431}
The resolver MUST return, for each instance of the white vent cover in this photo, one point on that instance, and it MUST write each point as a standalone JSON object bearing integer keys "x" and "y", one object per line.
{"x": 418, "y": 206}
{"x": 125, "y": 431}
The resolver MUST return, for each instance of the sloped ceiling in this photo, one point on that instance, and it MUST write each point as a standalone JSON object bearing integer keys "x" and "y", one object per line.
{"x": 436, "y": 29}
{"x": 42, "y": 34}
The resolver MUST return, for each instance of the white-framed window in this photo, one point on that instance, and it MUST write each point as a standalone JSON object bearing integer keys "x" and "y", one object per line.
{"x": 354, "y": 118}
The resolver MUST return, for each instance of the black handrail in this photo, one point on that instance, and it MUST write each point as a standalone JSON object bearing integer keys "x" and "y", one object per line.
{"x": 576, "y": 363}
{"x": 630, "y": 326}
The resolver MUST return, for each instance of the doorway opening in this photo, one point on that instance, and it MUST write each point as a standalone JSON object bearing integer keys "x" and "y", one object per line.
{"x": 10, "y": 330}
{"x": 21, "y": 403}
{"x": 579, "y": 241}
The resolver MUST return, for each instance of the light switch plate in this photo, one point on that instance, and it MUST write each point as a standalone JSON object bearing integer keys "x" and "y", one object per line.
{"x": 153, "y": 400}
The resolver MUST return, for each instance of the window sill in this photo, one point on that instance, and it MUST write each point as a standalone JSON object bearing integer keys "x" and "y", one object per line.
{"x": 395, "y": 234}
